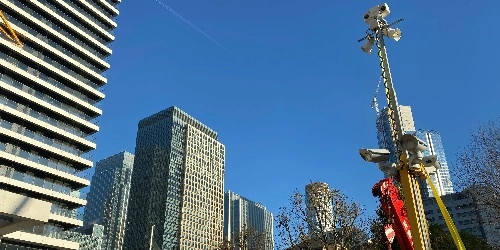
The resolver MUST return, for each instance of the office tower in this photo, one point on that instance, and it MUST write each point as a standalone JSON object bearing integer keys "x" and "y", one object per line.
{"x": 441, "y": 179}
{"x": 49, "y": 90}
{"x": 89, "y": 237}
{"x": 384, "y": 128}
{"x": 107, "y": 200}
{"x": 319, "y": 208}
{"x": 177, "y": 192}
{"x": 242, "y": 215}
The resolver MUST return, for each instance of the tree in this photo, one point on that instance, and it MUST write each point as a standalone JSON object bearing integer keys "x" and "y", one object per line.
{"x": 323, "y": 218}
{"x": 479, "y": 168}
{"x": 247, "y": 239}
{"x": 441, "y": 239}
{"x": 379, "y": 240}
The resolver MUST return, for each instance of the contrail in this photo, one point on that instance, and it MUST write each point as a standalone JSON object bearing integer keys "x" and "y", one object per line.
{"x": 196, "y": 28}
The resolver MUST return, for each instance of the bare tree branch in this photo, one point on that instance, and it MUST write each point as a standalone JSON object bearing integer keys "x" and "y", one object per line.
{"x": 479, "y": 168}
{"x": 323, "y": 218}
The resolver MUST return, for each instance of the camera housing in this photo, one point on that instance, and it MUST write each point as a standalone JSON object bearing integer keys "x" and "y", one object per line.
{"x": 381, "y": 10}
{"x": 389, "y": 168}
{"x": 411, "y": 143}
{"x": 431, "y": 164}
{"x": 374, "y": 155}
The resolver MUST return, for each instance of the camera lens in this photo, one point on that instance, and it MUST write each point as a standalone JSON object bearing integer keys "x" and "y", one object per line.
{"x": 382, "y": 8}
{"x": 366, "y": 16}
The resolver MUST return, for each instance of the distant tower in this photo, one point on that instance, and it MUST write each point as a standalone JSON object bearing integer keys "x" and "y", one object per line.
{"x": 319, "y": 207}
{"x": 108, "y": 198}
{"x": 177, "y": 184}
{"x": 442, "y": 179}
{"x": 240, "y": 212}
{"x": 384, "y": 128}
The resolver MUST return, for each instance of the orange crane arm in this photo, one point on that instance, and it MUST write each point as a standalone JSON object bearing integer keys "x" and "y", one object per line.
{"x": 11, "y": 33}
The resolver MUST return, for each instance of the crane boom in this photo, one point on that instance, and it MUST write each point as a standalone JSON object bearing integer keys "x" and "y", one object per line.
{"x": 7, "y": 30}
{"x": 394, "y": 208}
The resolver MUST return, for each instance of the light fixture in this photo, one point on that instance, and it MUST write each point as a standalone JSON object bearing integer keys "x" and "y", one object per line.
{"x": 367, "y": 47}
{"x": 393, "y": 33}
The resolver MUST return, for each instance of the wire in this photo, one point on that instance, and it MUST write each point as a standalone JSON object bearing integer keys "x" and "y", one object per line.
{"x": 186, "y": 21}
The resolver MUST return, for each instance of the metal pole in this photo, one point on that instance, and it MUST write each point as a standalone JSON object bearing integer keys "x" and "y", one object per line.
{"x": 410, "y": 185}
{"x": 151, "y": 239}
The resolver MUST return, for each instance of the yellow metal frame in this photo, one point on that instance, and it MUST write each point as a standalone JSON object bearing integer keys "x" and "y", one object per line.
{"x": 11, "y": 34}
{"x": 446, "y": 215}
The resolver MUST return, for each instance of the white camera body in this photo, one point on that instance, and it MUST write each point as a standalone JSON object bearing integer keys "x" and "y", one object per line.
{"x": 381, "y": 10}
{"x": 374, "y": 155}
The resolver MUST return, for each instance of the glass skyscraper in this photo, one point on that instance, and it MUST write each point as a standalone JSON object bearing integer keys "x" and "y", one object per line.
{"x": 177, "y": 193}
{"x": 385, "y": 131}
{"x": 49, "y": 90}
{"x": 442, "y": 179}
{"x": 107, "y": 200}
{"x": 241, "y": 213}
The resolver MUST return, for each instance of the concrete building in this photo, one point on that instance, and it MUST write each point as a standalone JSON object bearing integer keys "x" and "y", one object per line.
{"x": 107, "y": 200}
{"x": 177, "y": 191}
{"x": 49, "y": 90}
{"x": 242, "y": 214}
{"x": 467, "y": 214}
{"x": 319, "y": 208}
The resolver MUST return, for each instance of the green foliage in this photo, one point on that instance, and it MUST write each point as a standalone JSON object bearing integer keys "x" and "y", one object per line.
{"x": 441, "y": 239}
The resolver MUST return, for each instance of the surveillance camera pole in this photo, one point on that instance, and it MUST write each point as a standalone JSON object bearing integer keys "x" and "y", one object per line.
{"x": 411, "y": 190}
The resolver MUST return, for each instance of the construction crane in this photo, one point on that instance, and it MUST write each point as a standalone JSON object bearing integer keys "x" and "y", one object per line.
{"x": 7, "y": 30}
{"x": 393, "y": 207}
{"x": 411, "y": 164}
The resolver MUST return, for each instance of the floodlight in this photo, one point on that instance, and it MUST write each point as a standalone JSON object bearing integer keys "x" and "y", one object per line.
{"x": 431, "y": 164}
{"x": 367, "y": 47}
{"x": 374, "y": 155}
{"x": 393, "y": 33}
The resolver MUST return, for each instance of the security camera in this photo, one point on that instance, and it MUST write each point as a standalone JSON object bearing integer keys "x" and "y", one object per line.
{"x": 411, "y": 143}
{"x": 431, "y": 164}
{"x": 389, "y": 168}
{"x": 381, "y": 10}
{"x": 367, "y": 47}
{"x": 374, "y": 155}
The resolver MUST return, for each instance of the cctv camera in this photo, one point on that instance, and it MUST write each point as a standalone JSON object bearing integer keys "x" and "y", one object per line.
{"x": 389, "y": 168}
{"x": 381, "y": 10}
{"x": 412, "y": 143}
{"x": 374, "y": 155}
{"x": 367, "y": 47}
{"x": 431, "y": 164}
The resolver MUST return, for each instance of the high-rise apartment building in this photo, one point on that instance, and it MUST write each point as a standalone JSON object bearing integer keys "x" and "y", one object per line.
{"x": 49, "y": 90}
{"x": 319, "y": 207}
{"x": 177, "y": 192}
{"x": 441, "y": 179}
{"x": 107, "y": 200}
{"x": 242, "y": 215}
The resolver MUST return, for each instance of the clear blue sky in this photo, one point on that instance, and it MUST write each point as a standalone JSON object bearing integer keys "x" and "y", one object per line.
{"x": 291, "y": 99}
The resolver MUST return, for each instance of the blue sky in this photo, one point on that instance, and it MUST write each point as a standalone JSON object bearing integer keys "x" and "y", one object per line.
{"x": 289, "y": 91}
